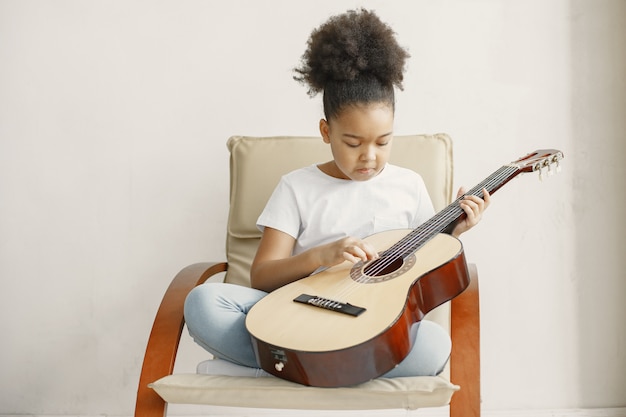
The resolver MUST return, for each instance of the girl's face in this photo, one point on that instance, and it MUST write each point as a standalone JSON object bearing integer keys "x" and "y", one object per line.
{"x": 360, "y": 140}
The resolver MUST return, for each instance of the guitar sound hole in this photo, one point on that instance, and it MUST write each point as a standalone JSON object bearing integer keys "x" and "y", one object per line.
{"x": 382, "y": 269}
{"x": 383, "y": 266}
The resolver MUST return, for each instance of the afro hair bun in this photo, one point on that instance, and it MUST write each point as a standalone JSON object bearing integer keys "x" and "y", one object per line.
{"x": 348, "y": 46}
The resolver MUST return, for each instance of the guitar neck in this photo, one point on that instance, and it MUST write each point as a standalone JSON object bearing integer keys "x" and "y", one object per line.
{"x": 446, "y": 219}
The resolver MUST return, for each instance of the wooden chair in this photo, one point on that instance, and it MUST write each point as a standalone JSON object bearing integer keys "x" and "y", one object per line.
{"x": 256, "y": 165}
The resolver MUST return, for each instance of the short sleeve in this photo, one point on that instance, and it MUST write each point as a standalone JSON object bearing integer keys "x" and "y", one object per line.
{"x": 281, "y": 211}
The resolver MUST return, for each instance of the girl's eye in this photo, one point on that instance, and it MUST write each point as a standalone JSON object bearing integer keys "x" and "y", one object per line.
{"x": 383, "y": 144}
{"x": 352, "y": 145}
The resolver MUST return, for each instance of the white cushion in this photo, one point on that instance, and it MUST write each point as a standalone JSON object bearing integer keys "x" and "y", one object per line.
{"x": 382, "y": 393}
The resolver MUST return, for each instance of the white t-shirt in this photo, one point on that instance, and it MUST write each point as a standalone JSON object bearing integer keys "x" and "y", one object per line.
{"x": 316, "y": 208}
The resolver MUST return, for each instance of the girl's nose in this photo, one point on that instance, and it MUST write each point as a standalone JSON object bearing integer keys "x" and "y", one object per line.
{"x": 369, "y": 153}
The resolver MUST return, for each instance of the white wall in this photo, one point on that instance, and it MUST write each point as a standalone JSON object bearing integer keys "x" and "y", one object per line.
{"x": 113, "y": 176}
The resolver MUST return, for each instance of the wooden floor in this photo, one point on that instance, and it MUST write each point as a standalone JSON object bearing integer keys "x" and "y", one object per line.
{"x": 180, "y": 411}
{"x": 176, "y": 411}
{"x": 188, "y": 411}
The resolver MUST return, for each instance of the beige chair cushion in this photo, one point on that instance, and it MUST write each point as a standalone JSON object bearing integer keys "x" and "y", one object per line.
{"x": 253, "y": 157}
{"x": 269, "y": 392}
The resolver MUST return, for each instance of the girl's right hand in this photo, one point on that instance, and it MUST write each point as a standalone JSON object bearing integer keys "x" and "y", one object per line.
{"x": 274, "y": 264}
{"x": 347, "y": 249}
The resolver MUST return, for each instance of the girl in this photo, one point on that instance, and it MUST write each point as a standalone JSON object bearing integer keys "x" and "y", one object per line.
{"x": 318, "y": 215}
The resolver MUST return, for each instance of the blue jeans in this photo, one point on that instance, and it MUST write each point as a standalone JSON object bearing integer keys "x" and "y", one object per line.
{"x": 215, "y": 314}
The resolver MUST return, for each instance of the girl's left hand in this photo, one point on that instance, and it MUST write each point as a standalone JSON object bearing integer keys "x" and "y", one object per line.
{"x": 473, "y": 207}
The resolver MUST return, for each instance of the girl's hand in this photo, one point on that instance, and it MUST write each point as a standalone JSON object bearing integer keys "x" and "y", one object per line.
{"x": 347, "y": 249}
{"x": 275, "y": 266}
{"x": 473, "y": 207}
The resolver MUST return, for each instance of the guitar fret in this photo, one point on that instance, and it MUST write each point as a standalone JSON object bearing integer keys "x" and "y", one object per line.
{"x": 450, "y": 214}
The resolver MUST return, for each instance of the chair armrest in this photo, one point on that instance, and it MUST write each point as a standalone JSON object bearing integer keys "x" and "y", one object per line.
{"x": 165, "y": 335}
{"x": 465, "y": 356}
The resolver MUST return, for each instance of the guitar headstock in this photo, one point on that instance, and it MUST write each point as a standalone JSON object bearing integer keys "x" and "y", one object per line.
{"x": 538, "y": 160}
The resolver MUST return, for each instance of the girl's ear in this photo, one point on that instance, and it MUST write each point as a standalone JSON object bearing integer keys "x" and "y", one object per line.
{"x": 324, "y": 130}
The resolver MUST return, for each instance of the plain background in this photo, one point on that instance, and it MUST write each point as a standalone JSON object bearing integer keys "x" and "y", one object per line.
{"x": 114, "y": 117}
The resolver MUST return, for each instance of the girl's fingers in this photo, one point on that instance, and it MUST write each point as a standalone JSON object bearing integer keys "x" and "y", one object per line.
{"x": 360, "y": 252}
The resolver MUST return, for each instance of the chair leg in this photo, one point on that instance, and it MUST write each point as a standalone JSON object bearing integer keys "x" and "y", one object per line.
{"x": 165, "y": 336}
{"x": 465, "y": 358}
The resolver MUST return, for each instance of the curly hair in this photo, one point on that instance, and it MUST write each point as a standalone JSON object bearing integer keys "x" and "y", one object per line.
{"x": 353, "y": 58}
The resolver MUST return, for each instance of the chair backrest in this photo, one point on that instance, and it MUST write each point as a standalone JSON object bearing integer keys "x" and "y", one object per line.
{"x": 257, "y": 163}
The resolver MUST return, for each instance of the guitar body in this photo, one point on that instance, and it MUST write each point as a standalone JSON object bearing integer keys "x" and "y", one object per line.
{"x": 325, "y": 348}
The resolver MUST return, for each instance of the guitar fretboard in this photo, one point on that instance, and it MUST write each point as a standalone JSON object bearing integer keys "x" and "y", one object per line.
{"x": 446, "y": 218}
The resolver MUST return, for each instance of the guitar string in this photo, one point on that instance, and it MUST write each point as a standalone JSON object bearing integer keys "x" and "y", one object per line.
{"x": 439, "y": 223}
{"x": 418, "y": 237}
{"x": 436, "y": 224}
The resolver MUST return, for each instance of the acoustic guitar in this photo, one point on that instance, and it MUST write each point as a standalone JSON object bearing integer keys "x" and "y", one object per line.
{"x": 355, "y": 322}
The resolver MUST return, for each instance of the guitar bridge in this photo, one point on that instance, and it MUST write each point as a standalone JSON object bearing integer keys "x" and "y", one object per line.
{"x": 328, "y": 304}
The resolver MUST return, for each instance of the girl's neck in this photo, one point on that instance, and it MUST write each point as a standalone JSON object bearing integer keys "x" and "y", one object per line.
{"x": 330, "y": 168}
